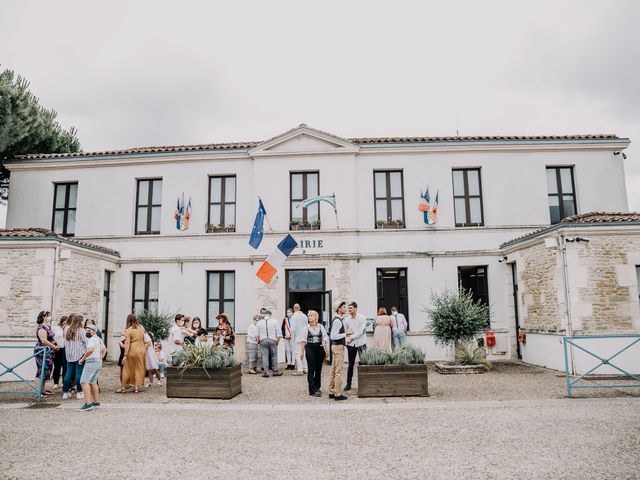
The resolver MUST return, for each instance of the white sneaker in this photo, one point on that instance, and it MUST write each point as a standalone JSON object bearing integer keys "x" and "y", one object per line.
{"x": 66, "y": 396}
{"x": 80, "y": 396}
{"x": 162, "y": 375}
{"x": 159, "y": 382}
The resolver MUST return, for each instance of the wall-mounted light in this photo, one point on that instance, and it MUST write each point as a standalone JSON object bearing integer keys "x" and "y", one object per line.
{"x": 503, "y": 259}
{"x": 576, "y": 239}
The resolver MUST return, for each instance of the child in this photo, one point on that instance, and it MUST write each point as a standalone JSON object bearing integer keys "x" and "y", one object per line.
{"x": 92, "y": 360}
{"x": 152, "y": 360}
{"x": 162, "y": 362}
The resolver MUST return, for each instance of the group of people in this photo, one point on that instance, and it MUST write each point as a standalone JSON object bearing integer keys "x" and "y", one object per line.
{"x": 307, "y": 343}
{"x": 72, "y": 350}
{"x": 189, "y": 331}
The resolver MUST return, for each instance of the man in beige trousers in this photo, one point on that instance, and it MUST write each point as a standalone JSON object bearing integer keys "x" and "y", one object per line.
{"x": 338, "y": 337}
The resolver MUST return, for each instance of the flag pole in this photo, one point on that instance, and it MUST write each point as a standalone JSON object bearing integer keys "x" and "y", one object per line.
{"x": 335, "y": 210}
{"x": 266, "y": 215}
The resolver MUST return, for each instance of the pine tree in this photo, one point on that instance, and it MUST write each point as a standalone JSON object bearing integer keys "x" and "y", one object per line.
{"x": 27, "y": 127}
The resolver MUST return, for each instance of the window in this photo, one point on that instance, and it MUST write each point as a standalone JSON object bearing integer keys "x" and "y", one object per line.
{"x": 467, "y": 197}
{"x": 304, "y": 185}
{"x": 145, "y": 291}
{"x": 221, "y": 296}
{"x": 562, "y": 198}
{"x": 474, "y": 279}
{"x": 148, "y": 205}
{"x": 388, "y": 191}
{"x": 222, "y": 203}
{"x": 64, "y": 208}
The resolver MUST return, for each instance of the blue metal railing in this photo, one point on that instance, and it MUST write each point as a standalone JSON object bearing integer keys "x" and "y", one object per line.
{"x": 602, "y": 361}
{"x": 34, "y": 389}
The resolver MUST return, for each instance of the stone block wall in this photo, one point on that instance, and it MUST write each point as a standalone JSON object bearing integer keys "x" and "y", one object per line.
{"x": 540, "y": 284}
{"x": 26, "y": 283}
{"x": 606, "y": 297}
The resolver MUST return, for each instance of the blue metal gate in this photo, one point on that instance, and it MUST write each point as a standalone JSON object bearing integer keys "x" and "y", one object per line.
{"x": 602, "y": 361}
{"x": 33, "y": 389}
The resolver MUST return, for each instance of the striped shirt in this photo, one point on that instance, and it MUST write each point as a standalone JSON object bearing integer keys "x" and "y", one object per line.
{"x": 76, "y": 348}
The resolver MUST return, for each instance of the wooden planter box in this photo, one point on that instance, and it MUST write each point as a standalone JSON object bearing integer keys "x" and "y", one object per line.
{"x": 393, "y": 380}
{"x": 224, "y": 383}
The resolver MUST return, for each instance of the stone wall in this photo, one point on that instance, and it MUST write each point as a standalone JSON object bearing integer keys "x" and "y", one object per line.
{"x": 540, "y": 285}
{"x": 79, "y": 285}
{"x": 26, "y": 285}
{"x": 26, "y": 282}
{"x": 603, "y": 284}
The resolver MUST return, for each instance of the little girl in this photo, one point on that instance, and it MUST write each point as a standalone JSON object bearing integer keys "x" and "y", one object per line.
{"x": 152, "y": 360}
{"x": 162, "y": 362}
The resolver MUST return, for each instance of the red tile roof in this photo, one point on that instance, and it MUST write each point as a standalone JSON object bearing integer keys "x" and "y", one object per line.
{"x": 359, "y": 141}
{"x": 583, "y": 219}
{"x": 42, "y": 233}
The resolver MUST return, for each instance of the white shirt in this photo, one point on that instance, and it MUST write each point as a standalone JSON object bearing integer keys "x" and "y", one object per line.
{"x": 398, "y": 322}
{"x": 299, "y": 321}
{"x": 58, "y": 336}
{"x": 268, "y": 329}
{"x": 95, "y": 342}
{"x": 336, "y": 325}
{"x": 323, "y": 332}
{"x": 358, "y": 326}
{"x": 252, "y": 332}
{"x": 176, "y": 333}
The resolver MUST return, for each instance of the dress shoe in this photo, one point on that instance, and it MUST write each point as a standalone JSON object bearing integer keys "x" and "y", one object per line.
{"x": 277, "y": 374}
{"x": 316, "y": 394}
{"x": 347, "y": 388}
{"x": 341, "y": 397}
{"x": 331, "y": 395}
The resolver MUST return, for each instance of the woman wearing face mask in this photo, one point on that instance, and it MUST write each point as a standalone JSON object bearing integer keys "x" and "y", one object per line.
{"x": 45, "y": 338}
{"x": 289, "y": 341}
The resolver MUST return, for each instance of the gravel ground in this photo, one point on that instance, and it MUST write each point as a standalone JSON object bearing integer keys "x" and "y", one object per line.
{"x": 513, "y": 422}
{"x": 507, "y": 381}
{"x": 542, "y": 439}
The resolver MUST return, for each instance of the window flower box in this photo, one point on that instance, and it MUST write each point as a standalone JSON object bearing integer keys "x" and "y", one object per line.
{"x": 390, "y": 224}
{"x": 295, "y": 225}
{"x": 211, "y": 228}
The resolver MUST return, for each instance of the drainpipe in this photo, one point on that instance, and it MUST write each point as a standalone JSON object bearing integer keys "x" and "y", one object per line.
{"x": 567, "y": 297}
{"x": 56, "y": 259}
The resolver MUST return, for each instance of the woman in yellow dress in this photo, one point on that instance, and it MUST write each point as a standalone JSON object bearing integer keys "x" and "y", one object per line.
{"x": 134, "y": 358}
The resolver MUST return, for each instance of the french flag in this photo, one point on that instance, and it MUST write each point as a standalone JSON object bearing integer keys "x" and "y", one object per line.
{"x": 270, "y": 266}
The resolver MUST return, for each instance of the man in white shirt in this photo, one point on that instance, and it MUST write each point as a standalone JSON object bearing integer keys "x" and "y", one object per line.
{"x": 356, "y": 325}
{"x": 268, "y": 336}
{"x": 338, "y": 341}
{"x": 299, "y": 322}
{"x": 398, "y": 328}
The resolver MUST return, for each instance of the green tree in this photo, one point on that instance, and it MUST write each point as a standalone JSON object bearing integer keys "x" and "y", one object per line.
{"x": 157, "y": 324}
{"x": 27, "y": 127}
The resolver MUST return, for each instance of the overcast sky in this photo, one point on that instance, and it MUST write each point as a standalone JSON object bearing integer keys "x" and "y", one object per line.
{"x": 128, "y": 73}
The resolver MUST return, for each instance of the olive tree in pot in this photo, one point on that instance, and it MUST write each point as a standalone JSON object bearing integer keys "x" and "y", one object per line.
{"x": 156, "y": 324}
{"x": 456, "y": 320}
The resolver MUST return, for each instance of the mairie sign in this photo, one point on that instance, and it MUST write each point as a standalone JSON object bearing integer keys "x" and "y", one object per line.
{"x": 311, "y": 244}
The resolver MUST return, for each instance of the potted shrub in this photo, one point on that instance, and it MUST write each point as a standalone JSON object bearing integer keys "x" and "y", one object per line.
{"x": 315, "y": 225}
{"x": 402, "y": 373}
{"x": 203, "y": 371}
{"x": 294, "y": 225}
{"x": 213, "y": 228}
{"x": 456, "y": 320}
{"x": 390, "y": 224}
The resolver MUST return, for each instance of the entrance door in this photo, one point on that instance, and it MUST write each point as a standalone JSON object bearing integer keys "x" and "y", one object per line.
{"x": 514, "y": 281}
{"x": 307, "y": 288}
{"x": 392, "y": 290}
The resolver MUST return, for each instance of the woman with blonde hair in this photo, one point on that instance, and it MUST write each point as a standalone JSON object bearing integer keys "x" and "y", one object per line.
{"x": 315, "y": 344}
{"x": 134, "y": 358}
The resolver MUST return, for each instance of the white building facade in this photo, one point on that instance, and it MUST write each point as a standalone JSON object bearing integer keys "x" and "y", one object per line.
{"x": 377, "y": 250}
